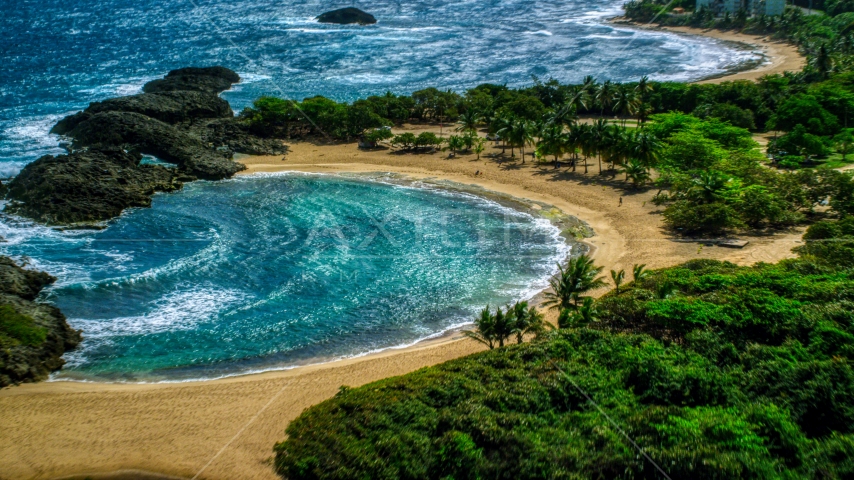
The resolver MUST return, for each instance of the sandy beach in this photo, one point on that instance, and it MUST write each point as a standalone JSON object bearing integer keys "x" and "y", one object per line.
{"x": 780, "y": 56}
{"x": 225, "y": 429}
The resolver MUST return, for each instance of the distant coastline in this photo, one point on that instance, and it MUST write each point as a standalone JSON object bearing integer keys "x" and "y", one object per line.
{"x": 779, "y": 56}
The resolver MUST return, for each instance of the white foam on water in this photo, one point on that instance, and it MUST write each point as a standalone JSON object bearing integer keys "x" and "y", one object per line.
{"x": 544, "y": 33}
{"x": 131, "y": 86}
{"x": 182, "y": 309}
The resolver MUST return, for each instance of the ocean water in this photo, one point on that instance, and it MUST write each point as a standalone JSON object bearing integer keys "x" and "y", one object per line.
{"x": 59, "y": 55}
{"x": 267, "y": 272}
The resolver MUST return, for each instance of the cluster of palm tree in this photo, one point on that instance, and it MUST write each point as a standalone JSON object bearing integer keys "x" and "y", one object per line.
{"x": 568, "y": 286}
{"x": 494, "y": 329}
{"x": 636, "y": 151}
{"x": 468, "y": 139}
{"x": 617, "y": 99}
{"x": 579, "y": 276}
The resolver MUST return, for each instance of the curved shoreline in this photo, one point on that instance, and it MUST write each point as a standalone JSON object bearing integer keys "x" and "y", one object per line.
{"x": 178, "y": 428}
{"x": 563, "y": 230}
{"x": 780, "y": 56}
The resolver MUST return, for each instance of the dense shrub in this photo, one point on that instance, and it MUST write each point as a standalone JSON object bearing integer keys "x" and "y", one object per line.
{"x": 717, "y": 371}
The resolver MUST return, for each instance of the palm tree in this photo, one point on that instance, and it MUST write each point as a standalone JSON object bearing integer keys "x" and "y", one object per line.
{"x": 455, "y": 142}
{"x": 484, "y": 329}
{"x": 618, "y": 278}
{"x": 524, "y": 133}
{"x": 643, "y": 88}
{"x": 586, "y": 314}
{"x": 822, "y": 60}
{"x": 553, "y": 141}
{"x": 587, "y": 143}
{"x": 588, "y": 85}
{"x": 707, "y": 185}
{"x": 502, "y": 126}
{"x": 492, "y": 329}
{"x": 643, "y": 111}
{"x": 598, "y": 134}
{"x": 639, "y": 272}
{"x": 504, "y": 323}
{"x": 605, "y": 96}
{"x": 479, "y": 146}
{"x": 580, "y": 275}
{"x": 646, "y": 148}
{"x": 617, "y": 142}
{"x": 636, "y": 172}
{"x": 574, "y": 140}
{"x": 625, "y": 102}
{"x": 527, "y": 321}
{"x": 566, "y": 115}
{"x": 468, "y": 121}
{"x": 507, "y": 131}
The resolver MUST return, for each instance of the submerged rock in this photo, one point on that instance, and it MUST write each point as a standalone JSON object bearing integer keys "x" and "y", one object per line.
{"x": 86, "y": 186}
{"x": 33, "y": 336}
{"x": 346, "y": 16}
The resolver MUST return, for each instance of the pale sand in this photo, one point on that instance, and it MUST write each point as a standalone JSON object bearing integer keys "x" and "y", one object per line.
{"x": 780, "y": 56}
{"x": 63, "y": 428}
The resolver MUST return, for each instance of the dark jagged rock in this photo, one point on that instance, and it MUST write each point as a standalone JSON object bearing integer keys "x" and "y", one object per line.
{"x": 22, "y": 283}
{"x": 181, "y": 120}
{"x": 236, "y": 135}
{"x": 21, "y": 362}
{"x": 208, "y": 79}
{"x": 86, "y": 186}
{"x": 346, "y": 16}
{"x": 169, "y": 107}
{"x": 153, "y": 137}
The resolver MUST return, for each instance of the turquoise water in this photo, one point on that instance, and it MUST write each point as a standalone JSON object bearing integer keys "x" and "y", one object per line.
{"x": 267, "y": 272}
{"x": 59, "y": 55}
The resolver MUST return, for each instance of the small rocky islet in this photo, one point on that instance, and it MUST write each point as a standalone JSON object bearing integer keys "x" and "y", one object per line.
{"x": 179, "y": 119}
{"x": 347, "y": 16}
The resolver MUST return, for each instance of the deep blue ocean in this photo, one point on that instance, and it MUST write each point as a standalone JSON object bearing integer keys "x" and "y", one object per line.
{"x": 267, "y": 272}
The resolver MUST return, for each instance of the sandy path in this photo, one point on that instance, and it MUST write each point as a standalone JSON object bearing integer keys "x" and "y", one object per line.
{"x": 63, "y": 428}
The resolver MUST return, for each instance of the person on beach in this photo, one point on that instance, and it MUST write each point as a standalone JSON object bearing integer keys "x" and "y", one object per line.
{"x": 621, "y": 202}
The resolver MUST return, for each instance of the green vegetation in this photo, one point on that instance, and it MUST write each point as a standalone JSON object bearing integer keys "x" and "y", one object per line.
{"x": 494, "y": 329}
{"x": 17, "y": 329}
{"x": 715, "y": 370}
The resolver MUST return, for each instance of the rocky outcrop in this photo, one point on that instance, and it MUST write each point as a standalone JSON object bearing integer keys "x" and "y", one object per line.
{"x": 24, "y": 359}
{"x": 208, "y": 79}
{"x": 87, "y": 186}
{"x": 346, "y": 16}
{"x": 152, "y": 137}
{"x": 179, "y": 119}
{"x": 169, "y": 107}
{"x": 237, "y": 137}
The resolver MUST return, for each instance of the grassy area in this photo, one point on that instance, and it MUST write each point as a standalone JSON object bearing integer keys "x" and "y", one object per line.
{"x": 17, "y": 329}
